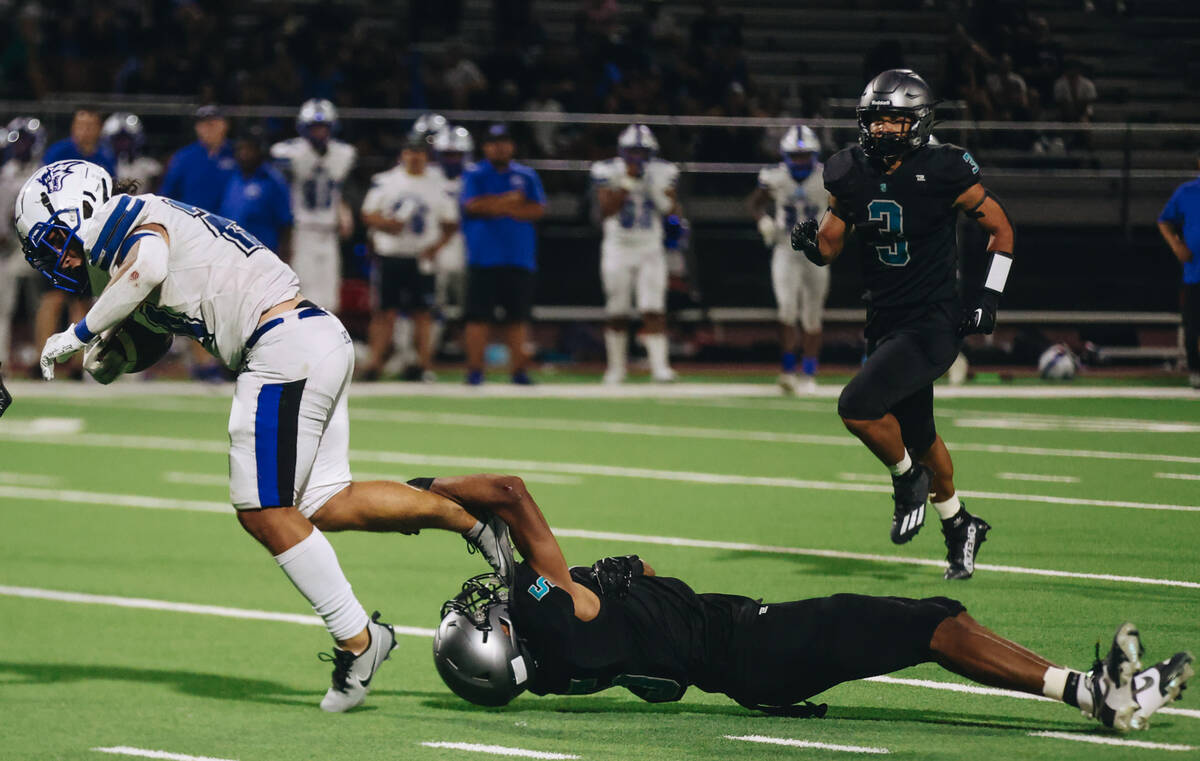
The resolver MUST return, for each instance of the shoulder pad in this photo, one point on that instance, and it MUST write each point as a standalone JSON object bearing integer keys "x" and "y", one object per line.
{"x": 841, "y": 173}
{"x": 953, "y": 166}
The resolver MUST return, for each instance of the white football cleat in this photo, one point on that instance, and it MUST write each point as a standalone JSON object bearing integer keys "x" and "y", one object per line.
{"x": 666, "y": 375}
{"x": 352, "y": 674}
{"x": 613, "y": 376}
{"x": 1110, "y": 677}
{"x": 1157, "y": 686}
{"x": 491, "y": 539}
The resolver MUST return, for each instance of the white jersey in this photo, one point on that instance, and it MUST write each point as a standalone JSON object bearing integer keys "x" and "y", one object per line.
{"x": 794, "y": 201}
{"x": 12, "y": 176}
{"x": 638, "y": 224}
{"x": 316, "y": 179}
{"x": 429, "y": 205}
{"x": 452, "y": 257}
{"x": 144, "y": 170}
{"x": 220, "y": 279}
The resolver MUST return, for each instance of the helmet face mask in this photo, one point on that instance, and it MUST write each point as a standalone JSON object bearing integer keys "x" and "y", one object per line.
{"x": 124, "y": 133}
{"x": 48, "y": 245}
{"x": 51, "y": 208}
{"x": 897, "y": 96}
{"x": 476, "y": 648}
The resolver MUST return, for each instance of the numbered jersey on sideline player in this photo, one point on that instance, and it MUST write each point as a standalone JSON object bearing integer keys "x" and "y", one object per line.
{"x": 432, "y": 206}
{"x": 316, "y": 179}
{"x": 794, "y": 201}
{"x": 904, "y": 221}
{"x": 220, "y": 279}
{"x": 639, "y": 223}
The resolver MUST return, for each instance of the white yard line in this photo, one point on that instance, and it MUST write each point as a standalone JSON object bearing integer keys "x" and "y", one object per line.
{"x": 1179, "y": 476}
{"x": 28, "y": 479}
{"x": 1099, "y": 740}
{"x": 125, "y": 750}
{"x": 806, "y": 744}
{"x": 870, "y": 478}
{"x": 414, "y": 631}
{"x": 1023, "y": 423}
{"x": 133, "y": 500}
{"x": 499, "y": 750}
{"x": 1038, "y": 477}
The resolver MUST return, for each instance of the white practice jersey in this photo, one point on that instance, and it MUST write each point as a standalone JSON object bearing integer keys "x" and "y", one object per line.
{"x": 144, "y": 170}
{"x": 430, "y": 206}
{"x": 12, "y": 177}
{"x": 220, "y": 279}
{"x": 316, "y": 179}
{"x": 794, "y": 201}
{"x": 452, "y": 257}
{"x": 639, "y": 223}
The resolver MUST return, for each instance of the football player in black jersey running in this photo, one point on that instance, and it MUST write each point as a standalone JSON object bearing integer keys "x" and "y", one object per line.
{"x": 902, "y": 197}
{"x": 553, "y": 629}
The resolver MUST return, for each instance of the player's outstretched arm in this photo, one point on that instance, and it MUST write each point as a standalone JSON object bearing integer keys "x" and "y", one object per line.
{"x": 507, "y": 497}
{"x": 985, "y": 209}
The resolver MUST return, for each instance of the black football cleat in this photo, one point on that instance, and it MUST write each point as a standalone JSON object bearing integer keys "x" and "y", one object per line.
{"x": 964, "y": 534}
{"x": 910, "y": 492}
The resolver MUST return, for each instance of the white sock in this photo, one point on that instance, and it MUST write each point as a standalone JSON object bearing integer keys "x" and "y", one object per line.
{"x": 901, "y": 467}
{"x": 656, "y": 351}
{"x": 312, "y": 565}
{"x": 614, "y": 347}
{"x": 1069, "y": 686}
{"x": 949, "y": 508}
{"x": 1054, "y": 681}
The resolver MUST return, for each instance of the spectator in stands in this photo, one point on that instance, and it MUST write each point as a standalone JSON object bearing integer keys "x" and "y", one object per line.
{"x": 257, "y": 196}
{"x": 1074, "y": 94}
{"x": 199, "y": 173}
{"x": 966, "y": 66}
{"x": 463, "y": 78}
{"x": 501, "y": 199}
{"x": 84, "y": 142}
{"x": 1179, "y": 224}
{"x": 1038, "y": 56}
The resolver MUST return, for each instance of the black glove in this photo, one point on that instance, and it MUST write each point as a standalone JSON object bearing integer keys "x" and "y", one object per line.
{"x": 804, "y": 240}
{"x": 5, "y": 397}
{"x": 982, "y": 317}
{"x": 615, "y": 574}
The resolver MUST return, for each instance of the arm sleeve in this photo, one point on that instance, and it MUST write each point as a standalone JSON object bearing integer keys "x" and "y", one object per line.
{"x": 1170, "y": 212}
{"x": 123, "y": 294}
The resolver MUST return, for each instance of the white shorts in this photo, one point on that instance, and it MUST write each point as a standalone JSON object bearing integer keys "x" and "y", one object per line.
{"x": 289, "y": 429}
{"x": 800, "y": 289}
{"x": 317, "y": 261}
{"x": 633, "y": 278}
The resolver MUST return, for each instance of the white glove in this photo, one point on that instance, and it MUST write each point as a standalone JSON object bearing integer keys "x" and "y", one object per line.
{"x": 629, "y": 183}
{"x": 767, "y": 229}
{"x": 59, "y": 348}
{"x": 407, "y": 209}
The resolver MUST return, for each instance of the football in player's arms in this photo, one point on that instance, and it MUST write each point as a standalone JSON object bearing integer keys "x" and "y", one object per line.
{"x": 131, "y": 347}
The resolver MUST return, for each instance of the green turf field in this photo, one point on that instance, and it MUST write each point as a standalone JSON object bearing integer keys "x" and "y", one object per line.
{"x": 784, "y": 503}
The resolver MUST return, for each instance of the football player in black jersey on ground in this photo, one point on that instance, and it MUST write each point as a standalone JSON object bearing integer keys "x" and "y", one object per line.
{"x": 553, "y": 629}
{"x": 901, "y": 196}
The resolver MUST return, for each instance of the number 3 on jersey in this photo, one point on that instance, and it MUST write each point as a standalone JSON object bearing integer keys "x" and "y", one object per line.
{"x": 890, "y": 215}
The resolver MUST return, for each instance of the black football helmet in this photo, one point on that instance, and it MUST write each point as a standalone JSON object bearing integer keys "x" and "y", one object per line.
{"x": 895, "y": 92}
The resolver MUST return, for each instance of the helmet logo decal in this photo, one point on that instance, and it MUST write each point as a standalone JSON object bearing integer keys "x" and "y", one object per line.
{"x": 52, "y": 178}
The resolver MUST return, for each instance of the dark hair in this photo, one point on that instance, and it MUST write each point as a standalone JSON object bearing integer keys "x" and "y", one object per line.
{"x": 87, "y": 108}
{"x": 128, "y": 187}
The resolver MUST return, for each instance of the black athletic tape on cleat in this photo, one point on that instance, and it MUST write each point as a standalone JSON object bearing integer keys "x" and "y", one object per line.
{"x": 423, "y": 484}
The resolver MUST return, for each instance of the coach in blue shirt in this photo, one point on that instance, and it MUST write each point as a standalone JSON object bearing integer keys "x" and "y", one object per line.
{"x": 257, "y": 197}
{"x": 84, "y": 142}
{"x": 1179, "y": 224}
{"x": 501, "y": 199}
{"x": 199, "y": 173}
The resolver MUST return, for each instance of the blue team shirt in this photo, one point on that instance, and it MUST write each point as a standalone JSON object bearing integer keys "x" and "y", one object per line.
{"x": 66, "y": 149}
{"x": 260, "y": 203}
{"x": 500, "y": 241}
{"x": 199, "y": 179}
{"x": 1183, "y": 211}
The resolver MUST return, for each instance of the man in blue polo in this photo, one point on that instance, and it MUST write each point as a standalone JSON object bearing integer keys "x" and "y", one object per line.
{"x": 199, "y": 173}
{"x": 501, "y": 199}
{"x": 84, "y": 143}
{"x": 1179, "y": 224}
{"x": 257, "y": 197}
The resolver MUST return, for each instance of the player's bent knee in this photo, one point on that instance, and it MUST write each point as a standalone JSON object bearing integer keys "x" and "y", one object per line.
{"x": 857, "y": 402}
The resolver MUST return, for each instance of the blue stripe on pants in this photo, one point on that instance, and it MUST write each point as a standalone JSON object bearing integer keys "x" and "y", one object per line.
{"x": 266, "y": 445}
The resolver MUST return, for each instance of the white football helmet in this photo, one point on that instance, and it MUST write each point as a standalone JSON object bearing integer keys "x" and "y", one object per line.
{"x": 51, "y": 207}
{"x": 637, "y": 144}
{"x": 124, "y": 133}
{"x": 799, "y": 147}
{"x": 453, "y": 147}
{"x": 313, "y": 112}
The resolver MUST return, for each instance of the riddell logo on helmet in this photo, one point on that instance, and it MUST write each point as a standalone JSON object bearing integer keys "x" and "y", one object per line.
{"x": 881, "y": 102}
{"x": 52, "y": 178}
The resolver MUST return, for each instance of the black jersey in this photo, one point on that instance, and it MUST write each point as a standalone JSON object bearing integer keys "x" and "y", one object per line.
{"x": 905, "y": 221}
{"x": 655, "y": 641}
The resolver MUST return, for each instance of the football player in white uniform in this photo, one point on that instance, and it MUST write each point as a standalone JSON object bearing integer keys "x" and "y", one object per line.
{"x": 795, "y": 189}
{"x": 411, "y": 219}
{"x": 316, "y": 166}
{"x": 452, "y": 149}
{"x": 23, "y": 141}
{"x": 125, "y": 136}
{"x": 634, "y": 191}
{"x": 190, "y": 272}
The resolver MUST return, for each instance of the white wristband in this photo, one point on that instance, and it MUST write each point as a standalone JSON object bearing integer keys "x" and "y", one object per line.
{"x": 997, "y": 274}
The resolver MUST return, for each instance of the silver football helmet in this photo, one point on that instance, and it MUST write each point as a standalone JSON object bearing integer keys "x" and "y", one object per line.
{"x": 453, "y": 147}
{"x": 315, "y": 112}
{"x": 637, "y": 144}
{"x": 476, "y": 648}
{"x": 51, "y": 208}
{"x": 799, "y": 147}
{"x": 429, "y": 125}
{"x": 897, "y": 93}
